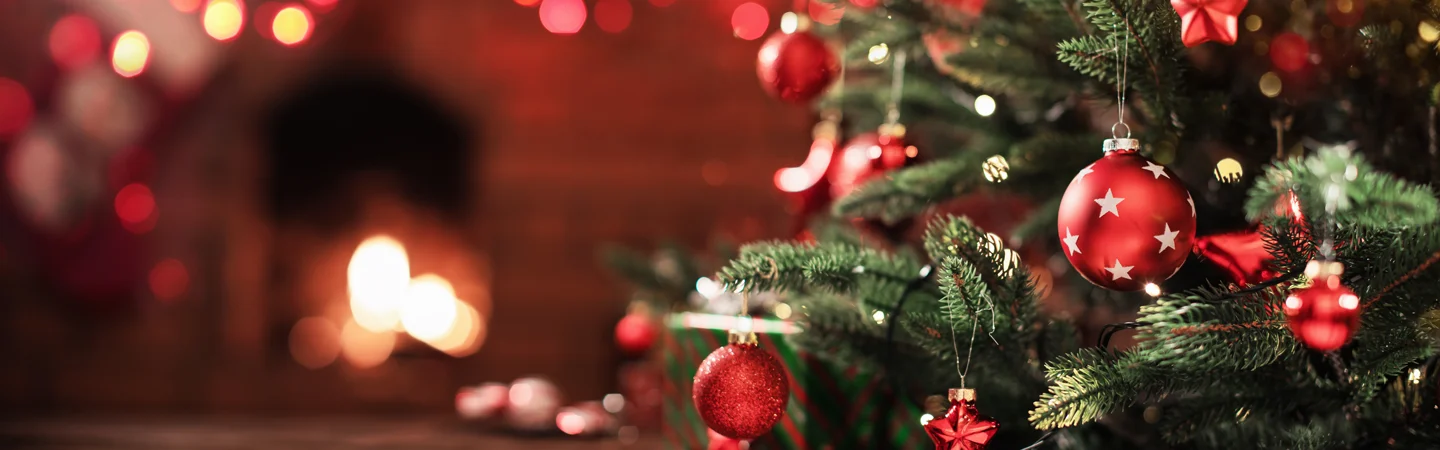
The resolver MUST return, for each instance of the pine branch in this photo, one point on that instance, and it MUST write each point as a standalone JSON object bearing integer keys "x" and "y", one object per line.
{"x": 1085, "y": 385}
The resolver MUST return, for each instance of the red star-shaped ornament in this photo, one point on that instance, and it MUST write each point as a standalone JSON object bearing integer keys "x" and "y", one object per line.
{"x": 1208, "y": 20}
{"x": 962, "y": 428}
{"x": 1241, "y": 253}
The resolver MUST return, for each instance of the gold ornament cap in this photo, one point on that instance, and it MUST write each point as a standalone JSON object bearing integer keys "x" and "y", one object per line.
{"x": 1121, "y": 144}
{"x": 967, "y": 395}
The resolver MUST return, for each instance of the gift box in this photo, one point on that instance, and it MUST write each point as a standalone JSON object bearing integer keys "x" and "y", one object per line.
{"x": 831, "y": 407}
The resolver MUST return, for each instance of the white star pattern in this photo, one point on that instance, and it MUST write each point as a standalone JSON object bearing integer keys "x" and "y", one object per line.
{"x": 1167, "y": 239}
{"x": 1190, "y": 200}
{"x": 1109, "y": 204}
{"x": 1071, "y": 241}
{"x": 1083, "y": 172}
{"x": 1156, "y": 169}
{"x": 1119, "y": 271}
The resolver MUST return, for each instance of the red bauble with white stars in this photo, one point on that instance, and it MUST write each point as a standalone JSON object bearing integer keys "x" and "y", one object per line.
{"x": 962, "y": 428}
{"x": 797, "y": 66}
{"x": 741, "y": 390}
{"x": 1325, "y": 315}
{"x": 1126, "y": 221}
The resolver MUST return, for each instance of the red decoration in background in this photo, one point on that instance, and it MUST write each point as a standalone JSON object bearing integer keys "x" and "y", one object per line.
{"x": 75, "y": 41}
{"x": 169, "y": 279}
{"x": 1289, "y": 52}
{"x": 1208, "y": 20}
{"x": 749, "y": 21}
{"x": 962, "y": 428}
{"x": 867, "y": 156}
{"x": 1325, "y": 315}
{"x": 1126, "y": 221}
{"x": 16, "y": 108}
{"x": 135, "y": 205}
{"x": 636, "y": 333}
{"x": 865, "y": 3}
{"x": 740, "y": 391}
{"x": 613, "y": 16}
{"x": 971, "y": 8}
{"x": 825, "y": 13}
{"x": 482, "y": 402}
{"x": 1241, "y": 254}
{"x": 562, "y": 16}
{"x": 796, "y": 67}
{"x": 720, "y": 442}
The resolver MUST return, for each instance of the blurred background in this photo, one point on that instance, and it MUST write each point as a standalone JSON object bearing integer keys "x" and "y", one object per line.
{"x": 208, "y": 205}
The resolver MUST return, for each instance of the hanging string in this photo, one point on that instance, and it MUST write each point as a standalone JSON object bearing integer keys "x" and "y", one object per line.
{"x": 897, "y": 87}
{"x": 1121, "y": 74}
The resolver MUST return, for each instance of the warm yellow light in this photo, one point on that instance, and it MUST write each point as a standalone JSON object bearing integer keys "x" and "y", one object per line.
{"x": 223, "y": 19}
{"x": 429, "y": 309}
{"x": 1253, "y": 22}
{"x": 131, "y": 52}
{"x": 1228, "y": 170}
{"x": 292, "y": 25}
{"x": 1270, "y": 84}
{"x": 1152, "y": 289}
{"x": 378, "y": 278}
{"x": 878, "y": 53}
{"x": 984, "y": 105}
{"x": 996, "y": 169}
{"x": 925, "y": 419}
{"x": 1429, "y": 31}
{"x": 789, "y": 22}
{"x": 466, "y": 336}
{"x": 783, "y": 311}
{"x": 364, "y": 348}
{"x": 1416, "y": 376}
{"x": 879, "y": 317}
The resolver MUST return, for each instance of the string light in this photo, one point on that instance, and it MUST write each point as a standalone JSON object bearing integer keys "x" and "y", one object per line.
{"x": 1152, "y": 289}
{"x": 1228, "y": 170}
{"x": 879, "y": 53}
{"x": 996, "y": 169}
{"x": 130, "y": 53}
{"x": 789, "y": 22}
{"x": 223, "y": 19}
{"x": 1270, "y": 84}
{"x": 378, "y": 278}
{"x": 984, "y": 105}
{"x": 879, "y": 317}
{"x": 1253, "y": 22}
{"x": 292, "y": 25}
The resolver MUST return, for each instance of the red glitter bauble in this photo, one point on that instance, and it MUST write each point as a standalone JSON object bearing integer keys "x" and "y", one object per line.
{"x": 1325, "y": 315}
{"x": 1126, "y": 221}
{"x": 741, "y": 391}
{"x": 636, "y": 333}
{"x": 796, "y": 67}
{"x": 962, "y": 428}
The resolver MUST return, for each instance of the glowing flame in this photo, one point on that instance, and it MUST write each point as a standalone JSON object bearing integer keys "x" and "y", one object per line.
{"x": 429, "y": 311}
{"x": 379, "y": 278}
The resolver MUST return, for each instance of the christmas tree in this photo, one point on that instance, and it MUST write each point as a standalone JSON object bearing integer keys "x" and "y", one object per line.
{"x": 1319, "y": 335}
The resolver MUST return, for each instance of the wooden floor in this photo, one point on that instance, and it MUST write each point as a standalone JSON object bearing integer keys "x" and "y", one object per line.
{"x": 281, "y": 434}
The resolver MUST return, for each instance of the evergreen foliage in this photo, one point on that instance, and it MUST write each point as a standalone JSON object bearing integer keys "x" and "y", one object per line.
{"x": 1212, "y": 365}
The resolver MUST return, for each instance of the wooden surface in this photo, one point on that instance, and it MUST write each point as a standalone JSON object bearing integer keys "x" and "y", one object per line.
{"x": 280, "y": 434}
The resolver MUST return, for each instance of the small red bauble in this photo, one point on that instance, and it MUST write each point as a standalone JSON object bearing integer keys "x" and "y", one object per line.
{"x": 636, "y": 333}
{"x": 1126, "y": 221}
{"x": 1208, "y": 20}
{"x": 867, "y": 156}
{"x": 1325, "y": 315}
{"x": 796, "y": 67}
{"x": 962, "y": 428}
{"x": 741, "y": 391}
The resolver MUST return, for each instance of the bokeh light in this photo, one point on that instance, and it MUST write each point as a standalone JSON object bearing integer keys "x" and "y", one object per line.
{"x": 379, "y": 279}
{"x": 995, "y": 169}
{"x": 570, "y": 423}
{"x": 562, "y": 16}
{"x": 292, "y": 25}
{"x": 185, "y": 6}
{"x": 135, "y": 205}
{"x": 363, "y": 348}
{"x": 74, "y": 41}
{"x": 796, "y": 179}
{"x": 314, "y": 342}
{"x": 1228, "y": 170}
{"x": 1429, "y": 31}
{"x": 984, "y": 105}
{"x": 429, "y": 309}
{"x": 16, "y": 108}
{"x": 169, "y": 279}
{"x": 130, "y": 53}
{"x": 223, "y": 19}
{"x": 750, "y": 21}
{"x": 1152, "y": 289}
{"x": 37, "y": 169}
{"x": 466, "y": 336}
{"x": 789, "y": 22}
{"x": 613, "y": 403}
{"x": 1289, "y": 52}
{"x": 527, "y": 2}
{"x": 1270, "y": 84}
{"x": 613, "y": 16}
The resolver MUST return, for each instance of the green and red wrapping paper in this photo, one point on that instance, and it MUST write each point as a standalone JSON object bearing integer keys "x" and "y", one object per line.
{"x": 830, "y": 407}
